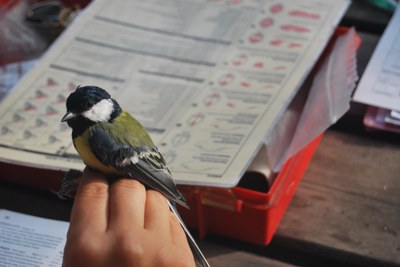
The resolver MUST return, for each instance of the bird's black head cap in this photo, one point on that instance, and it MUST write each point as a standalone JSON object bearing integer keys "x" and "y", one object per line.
{"x": 85, "y": 97}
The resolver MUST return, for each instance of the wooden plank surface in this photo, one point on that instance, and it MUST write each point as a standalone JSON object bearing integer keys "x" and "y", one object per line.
{"x": 348, "y": 203}
{"x": 223, "y": 255}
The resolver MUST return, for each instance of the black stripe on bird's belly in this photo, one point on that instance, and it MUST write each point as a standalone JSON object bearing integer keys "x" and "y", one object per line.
{"x": 79, "y": 126}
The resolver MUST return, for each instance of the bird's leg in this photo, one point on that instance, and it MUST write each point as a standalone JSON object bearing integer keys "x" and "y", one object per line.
{"x": 69, "y": 184}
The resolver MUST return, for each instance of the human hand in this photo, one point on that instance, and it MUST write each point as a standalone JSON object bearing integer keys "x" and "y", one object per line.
{"x": 123, "y": 224}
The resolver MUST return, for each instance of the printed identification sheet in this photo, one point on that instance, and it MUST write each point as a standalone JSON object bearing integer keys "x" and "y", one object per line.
{"x": 208, "y": 79}
{"x": 27, "y": 241}
{"x": 379, "y": 85}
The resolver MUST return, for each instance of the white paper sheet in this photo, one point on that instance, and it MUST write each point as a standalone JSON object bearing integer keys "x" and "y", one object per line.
{"x": 29, "y": 241}
{"x": 379, "y": 85}
{"x": 208, "y": 79}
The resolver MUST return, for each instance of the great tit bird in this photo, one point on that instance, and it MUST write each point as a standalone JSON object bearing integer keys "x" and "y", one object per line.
{"x": 110, "y": 140}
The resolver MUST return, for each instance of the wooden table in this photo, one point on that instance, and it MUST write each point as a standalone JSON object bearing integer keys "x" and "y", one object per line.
{"x": 346, "y": 211}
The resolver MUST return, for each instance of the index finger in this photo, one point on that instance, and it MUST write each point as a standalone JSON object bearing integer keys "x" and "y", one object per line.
{"x": 91, "y": 203}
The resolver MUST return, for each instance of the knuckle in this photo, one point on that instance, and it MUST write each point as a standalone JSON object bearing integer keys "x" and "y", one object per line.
{"x": 130, "y": 251}
{"x": 93, "y": 190}
{"x": 81, "y": 248}
{"x": 131, "y": 246}
{"x": 165, "y": 257}
{"x": 82, "y": 241}
{"x": 129, "y": 184}
{"x": 156, "y": 196}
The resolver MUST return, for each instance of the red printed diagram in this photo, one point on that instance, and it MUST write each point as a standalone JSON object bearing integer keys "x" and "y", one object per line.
{"x": 280, "y": 19}
{"x": 241, "y": 60}
{"x": 304, "y": 14}
{"x": 242, "y": 81}
{"x": 35, "y": 118}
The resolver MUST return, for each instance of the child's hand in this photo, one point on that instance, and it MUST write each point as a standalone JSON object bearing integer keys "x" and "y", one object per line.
{"x": 123, "y": 224}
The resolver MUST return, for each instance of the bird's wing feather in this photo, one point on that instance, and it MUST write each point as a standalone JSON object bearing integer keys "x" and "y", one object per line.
{"x": 198, "y": 255}
{"x": 143, "y": 163}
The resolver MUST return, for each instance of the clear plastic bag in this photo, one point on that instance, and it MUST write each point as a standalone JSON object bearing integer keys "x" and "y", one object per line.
{"x": 328, "y": 100}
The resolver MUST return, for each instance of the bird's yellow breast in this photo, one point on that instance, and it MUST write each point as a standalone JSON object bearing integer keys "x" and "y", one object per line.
{"x": 83, "y": 148}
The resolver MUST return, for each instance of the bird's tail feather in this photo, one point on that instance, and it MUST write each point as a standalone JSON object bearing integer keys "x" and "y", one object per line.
{"x": 198, "y": 255}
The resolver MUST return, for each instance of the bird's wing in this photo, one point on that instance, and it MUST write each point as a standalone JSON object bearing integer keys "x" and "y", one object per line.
{"x": 143, "y": 163}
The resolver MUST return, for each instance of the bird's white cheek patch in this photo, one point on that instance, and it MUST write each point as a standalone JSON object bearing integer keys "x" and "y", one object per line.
{"x": 100, "y": 112}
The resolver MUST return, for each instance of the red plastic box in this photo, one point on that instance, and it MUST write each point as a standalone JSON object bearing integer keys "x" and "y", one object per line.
{"x": 245, "y": 214}
{"x": 242, "y": 213}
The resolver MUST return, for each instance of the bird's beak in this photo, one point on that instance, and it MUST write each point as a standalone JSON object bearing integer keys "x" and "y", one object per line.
{"x": 68, "y": 116}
